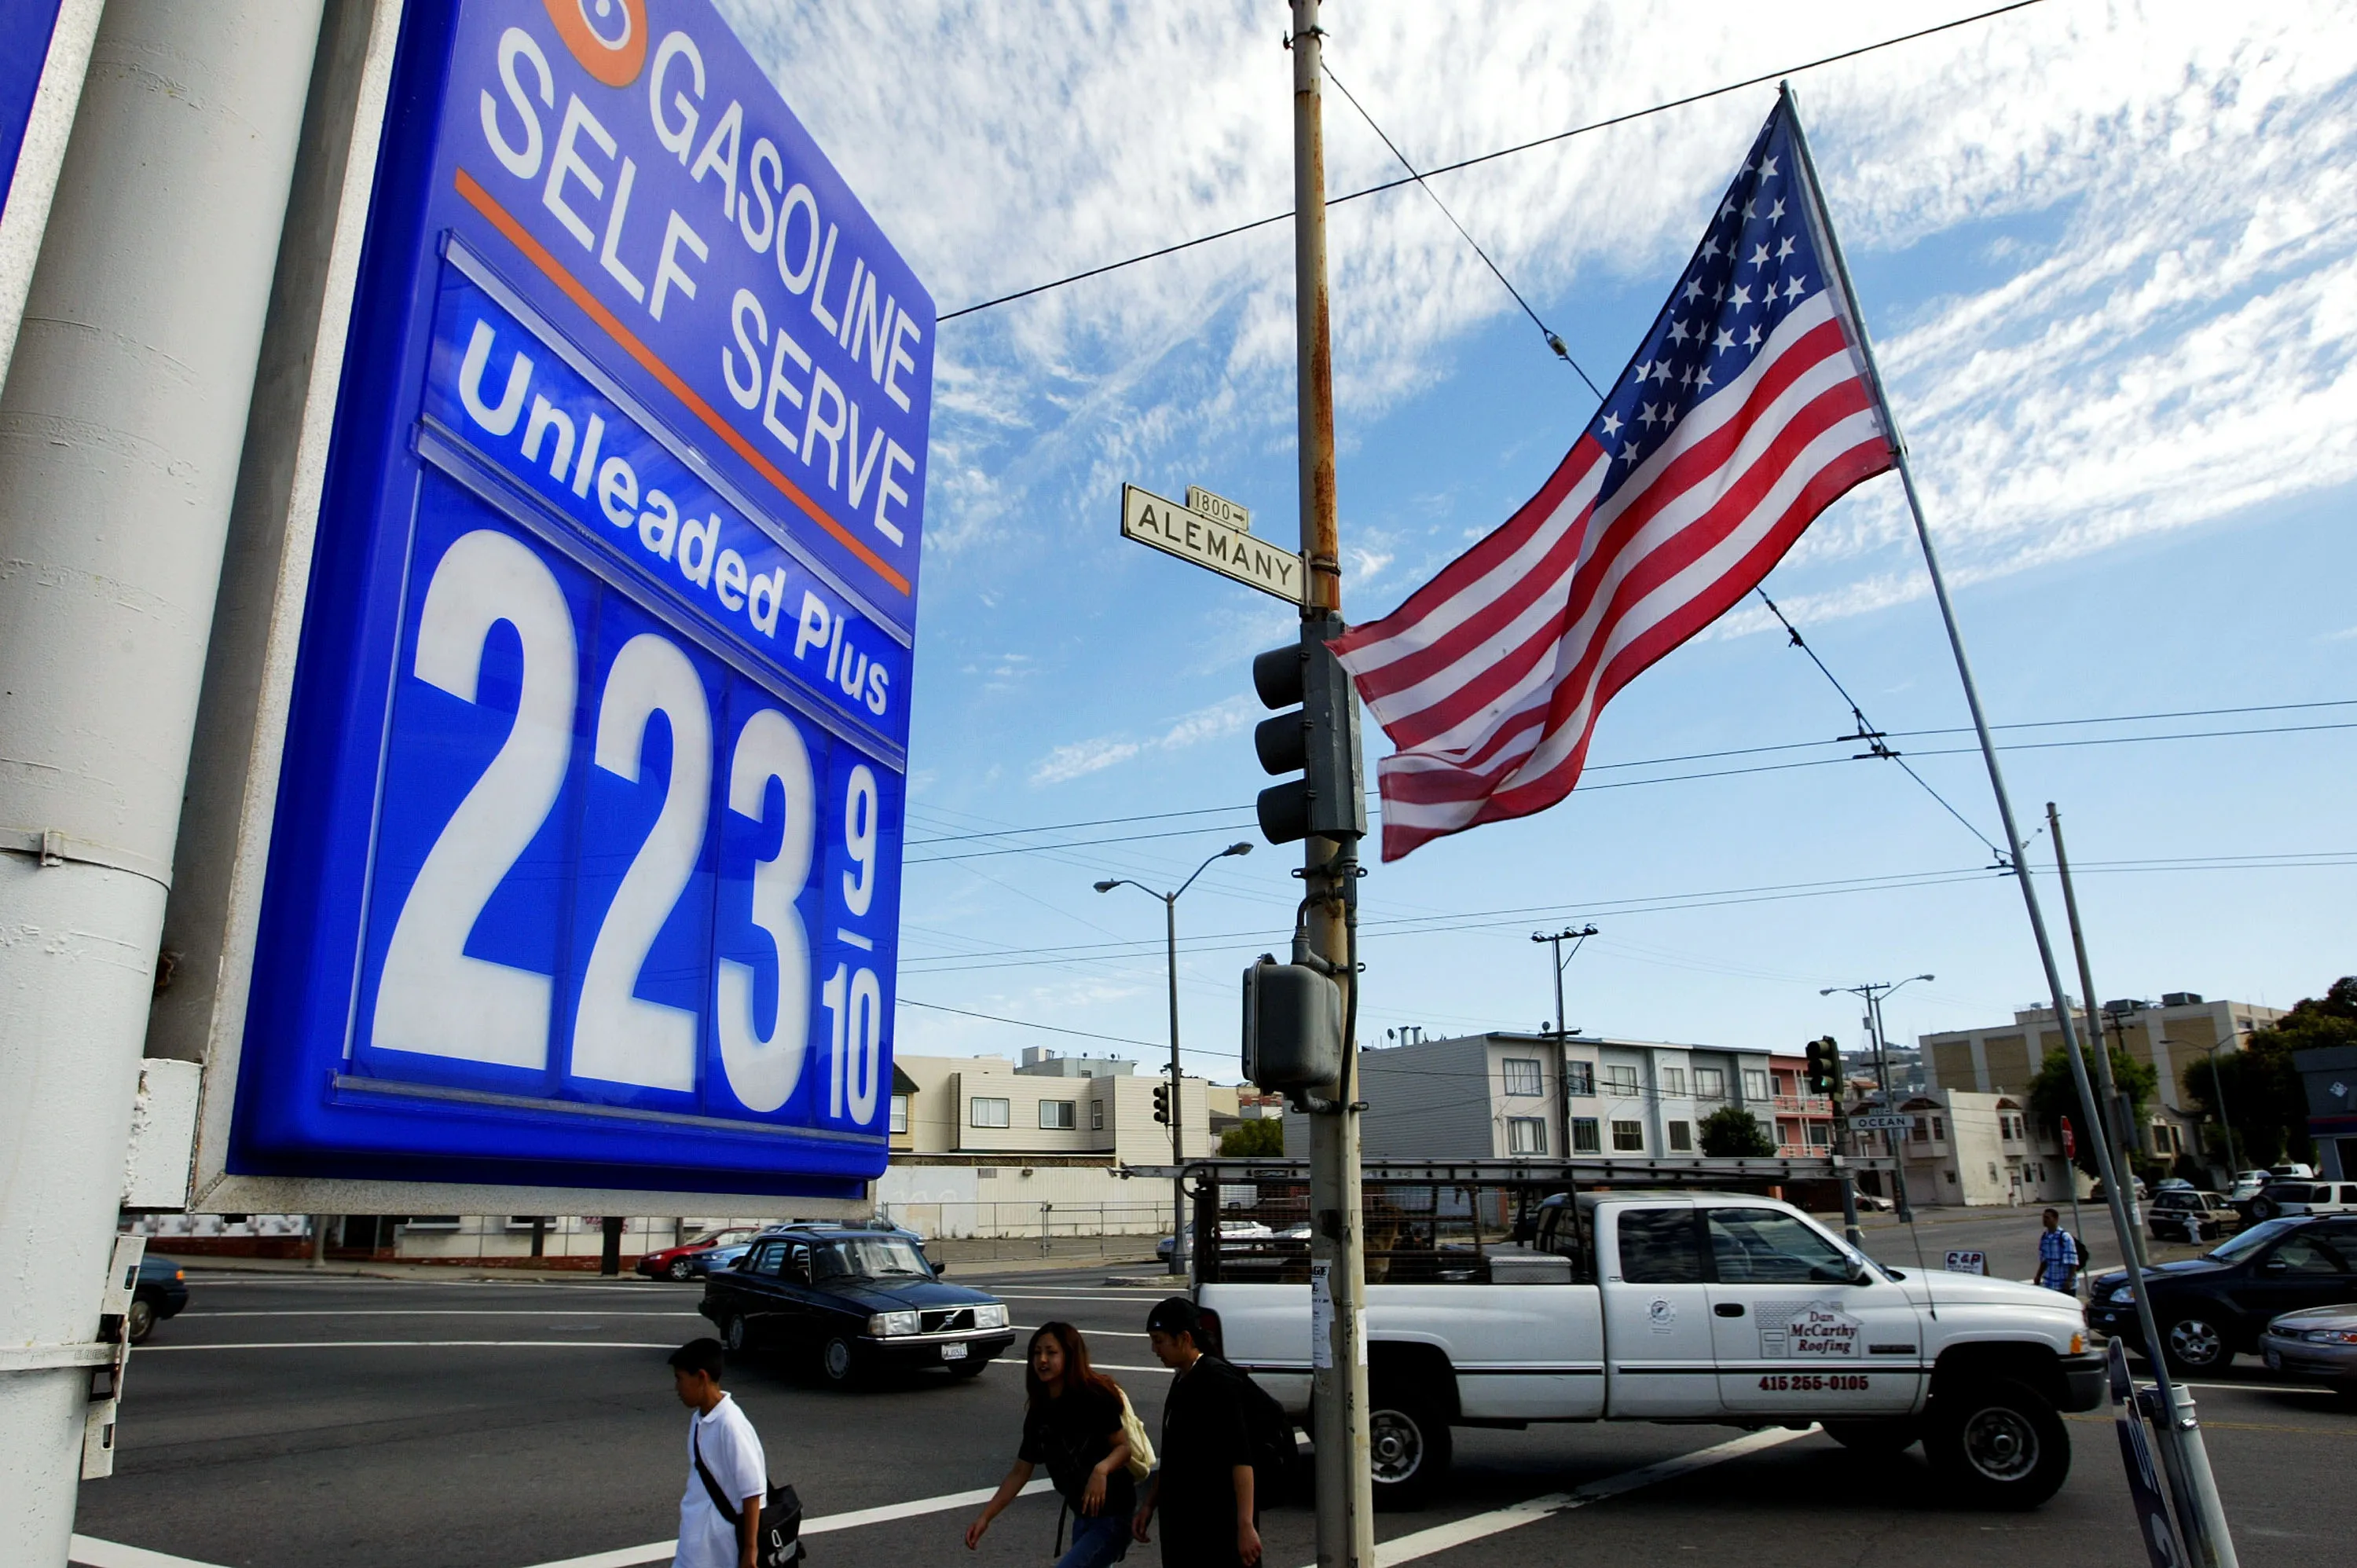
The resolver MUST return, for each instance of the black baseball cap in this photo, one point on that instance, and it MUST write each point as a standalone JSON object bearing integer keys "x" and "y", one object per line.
{"x": 1174, "y": 1314}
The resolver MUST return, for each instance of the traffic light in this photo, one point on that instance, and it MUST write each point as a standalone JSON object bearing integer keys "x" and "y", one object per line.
{"x": 1824, "y": 1069}
{"x": 1162, "y": 1103}
{"x": 1320, "y": 740}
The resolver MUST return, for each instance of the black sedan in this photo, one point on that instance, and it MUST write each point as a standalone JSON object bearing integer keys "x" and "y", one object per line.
{"x": 161, "y": 1290}
{"x": 2211, "y": 1307}
{"x": 851, "y": 1301}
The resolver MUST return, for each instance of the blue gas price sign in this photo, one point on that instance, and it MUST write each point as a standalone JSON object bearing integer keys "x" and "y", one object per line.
{"x": 587, "y": 861}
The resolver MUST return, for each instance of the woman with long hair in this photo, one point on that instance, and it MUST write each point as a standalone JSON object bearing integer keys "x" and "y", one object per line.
{"x": 1073, "y": 1422}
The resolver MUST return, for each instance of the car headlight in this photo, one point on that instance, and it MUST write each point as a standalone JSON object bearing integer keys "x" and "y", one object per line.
{"x": 2331, "y": 1337}
{"x": 2121, "y": 1295}
{"x": 991, "y": 1316}
{"x": 886, "y": 1323}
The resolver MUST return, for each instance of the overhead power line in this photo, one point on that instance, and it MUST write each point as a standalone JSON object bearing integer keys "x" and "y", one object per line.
{"x": 1490, "y": 156}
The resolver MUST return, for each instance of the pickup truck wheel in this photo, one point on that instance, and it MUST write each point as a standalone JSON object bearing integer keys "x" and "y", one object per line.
{"x": 2000, "y": 1444}
{"x": 1875, "y": 1436}
{"x": 2196, "y": 1344}
{"x": 1408, "y": 1449}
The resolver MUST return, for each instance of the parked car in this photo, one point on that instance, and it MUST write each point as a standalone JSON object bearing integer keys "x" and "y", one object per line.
{"x": 2211, "y": 1307}
{"x": 2293, "y": 1170}
{"x": 2295, "y": 1197}
{"x": 686, "y": 1260}
{"x": 852, "y": 1299}
{"x": 2184, "y": 1215}
{"x": 2318, "y": 1342}
{"x": 2136, "y": 1187}
{"x": 162, "y": 1290}
{"x": 2246, "y": 1184}
{"x": 2172, "y": 1184}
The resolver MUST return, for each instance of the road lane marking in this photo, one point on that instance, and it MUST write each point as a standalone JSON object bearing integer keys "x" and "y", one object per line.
{"x": 663, "y": 1550}
{"x": 92, "y": 1552}
{"x": 444, "y": 1312}
{"x": 1441, "y": 1538}
{"x": 422, "y": 1344}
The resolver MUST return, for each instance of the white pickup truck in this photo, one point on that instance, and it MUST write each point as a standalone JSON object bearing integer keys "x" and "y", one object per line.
{"x": 1684, "y": 1306}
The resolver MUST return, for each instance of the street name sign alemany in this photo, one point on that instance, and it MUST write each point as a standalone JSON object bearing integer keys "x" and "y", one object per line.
{"x": 1210, "y": 543}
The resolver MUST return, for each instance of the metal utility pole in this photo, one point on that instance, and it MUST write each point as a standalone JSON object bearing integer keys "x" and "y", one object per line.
{"x": 2179, "y": 1432}
{"x": 1330, "y": 869}
{"x": 1556, "y": 940}
{"x": 1873, "y": 991}
{"x": 120, "y": 430}
{"x": 1179, "y": 1227}
{"x": 2110, "y": 1128}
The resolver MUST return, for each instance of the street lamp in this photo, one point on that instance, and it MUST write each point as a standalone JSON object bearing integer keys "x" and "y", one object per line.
{"x": 1874, "y": 991}
{"x": 2217, "y": 1086}
{"x": 1170, "y": 939}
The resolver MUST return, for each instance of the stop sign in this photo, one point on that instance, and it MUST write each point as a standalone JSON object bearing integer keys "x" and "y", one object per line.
{"x": 2070, "y": 1143}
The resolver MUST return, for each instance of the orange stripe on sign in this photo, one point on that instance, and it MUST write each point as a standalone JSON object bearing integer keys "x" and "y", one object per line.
{"x": 591, "y": 307}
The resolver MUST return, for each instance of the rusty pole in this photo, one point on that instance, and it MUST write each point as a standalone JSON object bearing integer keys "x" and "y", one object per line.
{"x": 1338, "y": 1259}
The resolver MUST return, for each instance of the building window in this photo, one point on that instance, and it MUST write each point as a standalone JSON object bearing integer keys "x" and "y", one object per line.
{"x": 1579, "y": 1077}
{"x": 1583, "y": 1140}
{"x": 1754, "y": 1083}
{"x": 1682, "y": 1137}
{"x": 981, "y": 1112}
{"x": 1526, "y": 1134}
{"x": 1057, "y": 1115}
{"x": 1821, "y": 1134}
{"x": 899, "y": 1113}
{"x": 1710, "y": 1083}
{"x": 1621, "y": 1079}
{"x": 1939, "y": 1126}
{"x": 1523, "y": 1078}
{"x": 1629, "y": 1137}
{"x": 1674, "y": 1082}
{"x": 1096, "y": 1115}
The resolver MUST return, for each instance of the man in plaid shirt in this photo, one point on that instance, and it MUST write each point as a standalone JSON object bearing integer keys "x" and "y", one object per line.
{"x": 2057, "y": 1256}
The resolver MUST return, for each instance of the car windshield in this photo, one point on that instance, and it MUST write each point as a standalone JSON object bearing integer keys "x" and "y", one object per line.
{"x": 867, "y": 1258}
{"x": 2251, "y": 1241}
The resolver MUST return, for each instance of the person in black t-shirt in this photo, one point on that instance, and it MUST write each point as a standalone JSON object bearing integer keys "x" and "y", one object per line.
{"x": 1204, "y": 1486}
{"x": 1072, "y": 1423}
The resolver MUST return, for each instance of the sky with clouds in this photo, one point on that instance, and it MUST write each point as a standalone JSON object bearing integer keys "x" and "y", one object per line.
{"x": 2109, "y": 255}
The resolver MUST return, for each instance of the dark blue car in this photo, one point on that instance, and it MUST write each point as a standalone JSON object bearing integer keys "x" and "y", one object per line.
{"x": 161, "y": 1292}
{"x": 850, "y": 1301}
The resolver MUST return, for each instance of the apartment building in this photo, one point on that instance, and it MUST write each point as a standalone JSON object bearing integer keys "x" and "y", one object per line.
{"x": 1974, "y": 1150}
{"x": 1540, "y": 1096}
{"x": 2178, "y": 1030}
{"x": 1804, "y": 1122}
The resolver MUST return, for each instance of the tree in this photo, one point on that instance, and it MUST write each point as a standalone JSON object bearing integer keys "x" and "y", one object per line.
{"x": 1732, "y": 1132}
{"x": 2266, "y": 1101}
{"x": 1261, "y": 1139}
{"x": 2053, "y": 1095}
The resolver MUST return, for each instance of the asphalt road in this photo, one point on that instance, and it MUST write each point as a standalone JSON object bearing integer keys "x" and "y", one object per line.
{"x": 285, "y": 1420}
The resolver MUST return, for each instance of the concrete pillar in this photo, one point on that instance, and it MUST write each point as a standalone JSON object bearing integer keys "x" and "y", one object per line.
{"x": 120, "y": 431}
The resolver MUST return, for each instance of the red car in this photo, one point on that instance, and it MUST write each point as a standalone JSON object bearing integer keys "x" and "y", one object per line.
{"x": 680, "y": 1262}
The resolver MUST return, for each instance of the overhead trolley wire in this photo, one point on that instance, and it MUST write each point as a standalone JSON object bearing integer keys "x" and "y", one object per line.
{"x": 1553, "y": 341}
{"x": 1490, "y": 156}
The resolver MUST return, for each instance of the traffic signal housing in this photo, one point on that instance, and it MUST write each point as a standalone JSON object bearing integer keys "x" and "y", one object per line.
{"x": 1825, "y": 1069}
{"x": 1319, "y": 741}
{"x": 1162, "y": 1103}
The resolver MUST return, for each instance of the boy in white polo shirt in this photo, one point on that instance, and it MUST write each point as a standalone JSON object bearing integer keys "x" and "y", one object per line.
{"x": 725, "y": 1468}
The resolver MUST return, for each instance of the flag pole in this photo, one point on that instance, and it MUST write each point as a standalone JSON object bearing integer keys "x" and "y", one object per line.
{"x": 2180, "y": 1433}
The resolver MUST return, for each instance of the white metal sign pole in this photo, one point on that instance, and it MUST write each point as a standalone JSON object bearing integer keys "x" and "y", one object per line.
{"x": 26, "y": 212}
{"x": 120, "y": 428}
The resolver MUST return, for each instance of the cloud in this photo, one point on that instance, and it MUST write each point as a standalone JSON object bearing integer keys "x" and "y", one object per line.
{"x": 2143, "y": 212}
{"x": 1082, "y": 757}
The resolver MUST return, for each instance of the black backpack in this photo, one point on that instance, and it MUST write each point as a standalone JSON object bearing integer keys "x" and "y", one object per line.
{"x": 1269, "y": 1432}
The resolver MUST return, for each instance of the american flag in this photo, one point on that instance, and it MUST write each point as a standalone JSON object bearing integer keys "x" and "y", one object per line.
{"x": 1747, "y": 411}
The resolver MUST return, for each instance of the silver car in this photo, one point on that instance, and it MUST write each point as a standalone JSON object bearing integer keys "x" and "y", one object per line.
{"x": 2319, "y": 1342}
